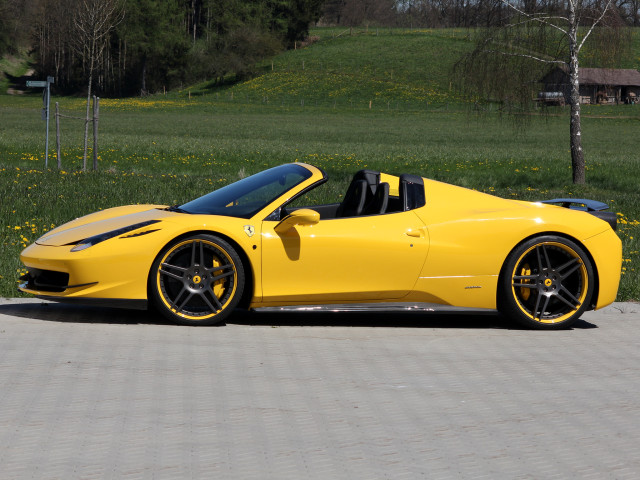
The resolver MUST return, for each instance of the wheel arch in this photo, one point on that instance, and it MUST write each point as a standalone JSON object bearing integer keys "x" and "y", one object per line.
{"x": 249, "y": 287}
{"x": 596, "y": 275}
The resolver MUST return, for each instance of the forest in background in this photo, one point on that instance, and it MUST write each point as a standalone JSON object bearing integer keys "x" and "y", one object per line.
{"x": 136, "y": 47}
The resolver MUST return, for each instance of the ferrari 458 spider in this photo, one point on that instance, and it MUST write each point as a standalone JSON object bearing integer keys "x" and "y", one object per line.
{"x": 394, "y": 241}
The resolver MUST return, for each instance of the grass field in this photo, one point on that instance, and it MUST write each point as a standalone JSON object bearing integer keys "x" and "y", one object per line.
{"x": 169, "y": 149}
{"x": 395, "y": 69}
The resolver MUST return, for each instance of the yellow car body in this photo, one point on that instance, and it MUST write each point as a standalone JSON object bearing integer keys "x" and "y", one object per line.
{"x": 451, "y": 249}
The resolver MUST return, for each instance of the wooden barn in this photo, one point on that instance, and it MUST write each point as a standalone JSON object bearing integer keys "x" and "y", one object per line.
{"x": 597, "y": 85}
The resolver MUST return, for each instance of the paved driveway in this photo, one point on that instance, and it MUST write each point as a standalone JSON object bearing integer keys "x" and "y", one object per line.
{"x": 92, "y": 393}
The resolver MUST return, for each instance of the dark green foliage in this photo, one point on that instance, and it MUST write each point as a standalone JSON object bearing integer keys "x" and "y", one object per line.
{"x": 4, "y": 27}
{"x": 236, "y": 36}
{"x": 12, "y": 31}
{"x": 291, "y": 18}
{"x": 154, "y": 45}
{"x": 160, "y": 44}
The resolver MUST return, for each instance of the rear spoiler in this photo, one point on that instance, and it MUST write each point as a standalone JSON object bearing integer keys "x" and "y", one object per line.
{"x": 593, "y": 207}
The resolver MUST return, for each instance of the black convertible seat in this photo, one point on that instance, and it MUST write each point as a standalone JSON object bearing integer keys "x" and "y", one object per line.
{"x": 379, "y": 202}
{"x": 360, "y": 193}
{"x": 372, "y": 178}
{"x": 354, "y": 199}
{"x": 411, "y": 189}
{"x": 367, "y": 196}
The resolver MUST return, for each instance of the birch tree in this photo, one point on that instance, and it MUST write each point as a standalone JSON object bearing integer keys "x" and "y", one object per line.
{"x": 94, "y": 20}
{"x": 509, "y": 60}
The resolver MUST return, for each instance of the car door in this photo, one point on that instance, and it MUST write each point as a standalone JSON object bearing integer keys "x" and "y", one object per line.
{"x": 343, "y": 259}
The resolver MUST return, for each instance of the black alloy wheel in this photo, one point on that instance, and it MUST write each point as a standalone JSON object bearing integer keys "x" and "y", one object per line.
{"x": 547, "y": 282}
{"x": 197, "y": 280}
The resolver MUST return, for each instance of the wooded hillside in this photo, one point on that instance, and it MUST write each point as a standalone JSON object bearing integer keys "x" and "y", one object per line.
{"x": 141, "y": 46}
{"x": 135, "y": 47}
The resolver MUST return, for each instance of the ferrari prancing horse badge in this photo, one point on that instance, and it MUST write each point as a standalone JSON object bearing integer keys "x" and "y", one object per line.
{"x": 249, "y": 230}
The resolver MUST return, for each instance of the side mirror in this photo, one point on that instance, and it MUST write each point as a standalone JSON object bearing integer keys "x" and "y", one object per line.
{"x": 304, "y": 216}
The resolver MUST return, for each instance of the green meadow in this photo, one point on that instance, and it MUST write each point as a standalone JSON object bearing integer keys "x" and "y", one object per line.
{"x": 379, "y": 100}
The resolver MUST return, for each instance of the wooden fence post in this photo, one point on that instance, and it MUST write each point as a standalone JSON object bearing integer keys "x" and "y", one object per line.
{"x": 96, "y": 114}
{"x": 58, "y": 137}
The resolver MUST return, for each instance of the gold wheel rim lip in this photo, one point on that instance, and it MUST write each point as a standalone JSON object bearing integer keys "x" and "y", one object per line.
{"x": 218, "y": 248}
{"x": 583, "y": 274}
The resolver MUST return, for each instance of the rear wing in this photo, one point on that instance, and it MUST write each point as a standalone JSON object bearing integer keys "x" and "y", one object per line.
{"x": 593, "y": 207}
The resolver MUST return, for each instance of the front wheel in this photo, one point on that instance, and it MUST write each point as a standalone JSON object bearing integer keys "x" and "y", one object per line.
{"x": 547, "y": 282}
{"x": 197, "y": 280}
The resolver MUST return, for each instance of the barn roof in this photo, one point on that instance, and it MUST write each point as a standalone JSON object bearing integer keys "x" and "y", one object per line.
{"x": 609, "y": 76}
{"x": 596, "y": 76}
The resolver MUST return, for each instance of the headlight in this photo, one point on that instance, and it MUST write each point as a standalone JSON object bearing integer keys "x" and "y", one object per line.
{"x": 91, "y": 241}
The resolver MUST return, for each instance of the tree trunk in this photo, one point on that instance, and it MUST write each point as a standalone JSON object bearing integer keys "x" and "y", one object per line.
{"x": 96, "y": 114}
{"x": 58, "y": 152}
{"x": 143, "y": 87}
{"x": 86, "y": 120}
{"x": 575, "y": 129}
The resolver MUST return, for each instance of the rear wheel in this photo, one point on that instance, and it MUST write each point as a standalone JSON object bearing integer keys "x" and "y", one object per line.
{"x": 547, "y": 282}
{"x": 197, "y": 280}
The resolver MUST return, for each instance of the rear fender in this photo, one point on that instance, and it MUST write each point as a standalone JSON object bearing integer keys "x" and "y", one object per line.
{"x": 593, "y": 207}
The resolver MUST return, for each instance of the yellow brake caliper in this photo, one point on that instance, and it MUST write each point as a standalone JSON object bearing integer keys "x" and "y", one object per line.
{"x": 218, "y": 285}
{"x": 524, "y": 291}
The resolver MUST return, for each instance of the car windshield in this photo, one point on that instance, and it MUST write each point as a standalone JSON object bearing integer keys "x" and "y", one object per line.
{"x": 248, "y": 196}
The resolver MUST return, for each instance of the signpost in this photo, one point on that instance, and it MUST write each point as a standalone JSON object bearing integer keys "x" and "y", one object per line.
{"x": 45, "y": 111}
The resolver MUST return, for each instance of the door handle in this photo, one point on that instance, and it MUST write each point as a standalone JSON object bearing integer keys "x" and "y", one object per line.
{"x": 417, "y": 232}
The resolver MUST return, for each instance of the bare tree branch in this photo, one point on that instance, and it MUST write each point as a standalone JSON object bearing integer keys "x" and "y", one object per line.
{"x": 530, "y": 57}
{"x": 501, "y": 65}
{"x": 94, "y": 21}
{"x": 605, "y": 9}
{"x": 533, "y": 17}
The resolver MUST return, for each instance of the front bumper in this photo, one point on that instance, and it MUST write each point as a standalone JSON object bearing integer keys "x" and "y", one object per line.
{"x": 97, "y": 272}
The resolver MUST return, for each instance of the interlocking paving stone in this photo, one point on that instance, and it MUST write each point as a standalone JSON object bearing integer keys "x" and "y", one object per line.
{"x": 107, "y": 394}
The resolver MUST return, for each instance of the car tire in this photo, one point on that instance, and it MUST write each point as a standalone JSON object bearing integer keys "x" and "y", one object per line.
{"x": 197, "y": 280}
{"x": 546, "y": 283}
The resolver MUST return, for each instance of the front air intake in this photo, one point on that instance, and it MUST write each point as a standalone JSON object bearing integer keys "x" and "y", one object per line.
{"x": 45, "y": 280}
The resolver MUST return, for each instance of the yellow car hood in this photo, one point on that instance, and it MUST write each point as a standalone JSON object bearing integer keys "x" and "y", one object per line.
{"x": 101, "y": 222}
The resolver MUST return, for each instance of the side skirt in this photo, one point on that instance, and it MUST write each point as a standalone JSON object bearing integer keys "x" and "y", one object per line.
{"x": 125, "y": 303}
{"x": 377, "y": 307}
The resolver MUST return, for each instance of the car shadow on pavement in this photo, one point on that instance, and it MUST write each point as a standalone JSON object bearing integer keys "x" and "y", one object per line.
{"x": 66, "y": 313}
{"x": 467, "y": 320}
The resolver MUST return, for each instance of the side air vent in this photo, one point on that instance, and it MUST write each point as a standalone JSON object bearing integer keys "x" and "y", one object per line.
{"x": 140, "y": 234}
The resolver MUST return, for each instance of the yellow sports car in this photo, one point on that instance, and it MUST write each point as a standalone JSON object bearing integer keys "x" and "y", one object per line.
{"x": 393, "y": 242}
